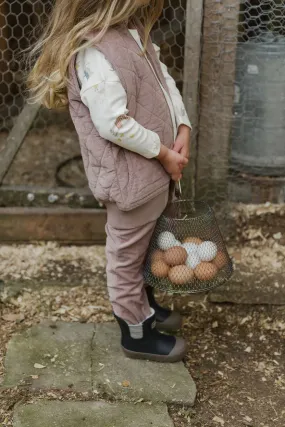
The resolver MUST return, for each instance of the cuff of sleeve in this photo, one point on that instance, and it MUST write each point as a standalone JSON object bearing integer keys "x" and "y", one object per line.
{"x": 183, "y": 121}
{"x": 155, "y": 149}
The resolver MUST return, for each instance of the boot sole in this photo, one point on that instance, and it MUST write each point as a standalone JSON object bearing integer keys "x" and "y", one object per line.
{"x": 154, "y": 357}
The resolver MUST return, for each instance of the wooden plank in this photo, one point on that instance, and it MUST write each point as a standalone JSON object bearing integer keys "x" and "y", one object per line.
{"x": 77, "y": 226}
{"x": 220, "y": 31}
{"x": 194, "y": 19}
{"x": 34, "y": 196}
{"x": 16, "y": 137}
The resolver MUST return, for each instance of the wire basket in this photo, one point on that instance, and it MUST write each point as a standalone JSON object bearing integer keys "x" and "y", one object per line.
{"x": 187, "y": 253}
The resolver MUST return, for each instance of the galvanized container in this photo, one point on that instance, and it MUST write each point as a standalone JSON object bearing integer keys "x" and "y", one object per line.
{"x": 258, "y": 133}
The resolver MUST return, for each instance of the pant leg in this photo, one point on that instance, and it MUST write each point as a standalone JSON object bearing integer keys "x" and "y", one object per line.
{"x": 126, "y": 250}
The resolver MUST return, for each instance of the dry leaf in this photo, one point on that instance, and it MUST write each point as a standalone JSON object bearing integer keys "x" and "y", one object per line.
{"x": 248, "y": 350}
{"x": 52, "y": 394}
{"x": 39, "y": 366}
{"x": 245, "y": 319}
{"x": 126, "y": 383}
{"x": 219, "y": 420}
{"x": 13, "y": 317}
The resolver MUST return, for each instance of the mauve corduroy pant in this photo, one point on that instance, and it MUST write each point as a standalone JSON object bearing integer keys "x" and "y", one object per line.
{"x": 128, "y": 238}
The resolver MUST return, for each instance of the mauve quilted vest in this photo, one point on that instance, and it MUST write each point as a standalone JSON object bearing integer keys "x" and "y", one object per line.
{"x": 115, "y": 174}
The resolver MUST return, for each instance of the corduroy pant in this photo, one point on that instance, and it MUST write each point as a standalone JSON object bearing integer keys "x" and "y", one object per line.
{"x": 128, "y": 238}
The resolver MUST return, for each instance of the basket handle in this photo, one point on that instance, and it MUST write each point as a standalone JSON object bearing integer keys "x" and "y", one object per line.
{"x": 178, "y": 190}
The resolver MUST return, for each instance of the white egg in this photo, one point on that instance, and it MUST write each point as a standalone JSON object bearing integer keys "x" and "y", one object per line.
{"x": 166, "y": 240}
{"x": 190, "y": 247}
{"x": 177, "y": 243}
{"x": 193, "y": 260}
{"x": 207, "y": 251}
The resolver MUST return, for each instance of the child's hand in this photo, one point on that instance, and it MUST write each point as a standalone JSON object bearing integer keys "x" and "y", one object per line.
{"x": 182, "y": 143}
{"x": 172, "y": 162}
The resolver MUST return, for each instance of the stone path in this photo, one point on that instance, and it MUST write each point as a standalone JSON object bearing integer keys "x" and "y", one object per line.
{"x": 85, "y": 357}
{"x": 91, "y": 414}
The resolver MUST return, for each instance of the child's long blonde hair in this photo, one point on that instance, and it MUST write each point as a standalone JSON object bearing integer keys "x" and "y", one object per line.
{"x": 70, "y": 22}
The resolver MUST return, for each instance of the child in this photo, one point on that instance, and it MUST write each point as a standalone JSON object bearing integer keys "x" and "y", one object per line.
{"x": 96, "y": 57}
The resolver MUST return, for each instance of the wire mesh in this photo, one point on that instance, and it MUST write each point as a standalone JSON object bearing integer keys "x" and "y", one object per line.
{"x": 238, "y": 154}
{"x": 53, "y": 132}
{"x": 238, "y": 144}
{"x": 19, "y": 25}
{"x": 187, "y": 253}
{"x": 169, "y": 35}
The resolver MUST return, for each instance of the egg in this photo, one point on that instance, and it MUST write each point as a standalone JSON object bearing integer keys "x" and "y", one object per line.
{"x": 206, "y": 271}
{"x": 207, "y": 251}
{"x": 221, "y": 260}
{"x": 193, "y": 261}
{"x": 180, "y": 275}
{"x": 166, "y": 240}
{"x": 159, "y": 269}
{"x": 190, "y": 247}
{"x": 157, "y": 255}
{"x": 177, "y": 243}
{"x": 175, "y": 256}
{"x": 195, "y": 240}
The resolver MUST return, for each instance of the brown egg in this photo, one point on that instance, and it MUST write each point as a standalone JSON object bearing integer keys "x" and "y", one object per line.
{"x": 180, "y": 275}
{"x": 159, "y": 269}
{"x": 195, "y": 240}
{"x": 157, "y": 255}
{"x": 221, "y": 260}
{"x": 175, "y": 256}
{"x": 205, "y": 271}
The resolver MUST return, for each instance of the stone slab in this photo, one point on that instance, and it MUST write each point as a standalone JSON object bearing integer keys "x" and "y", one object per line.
{"x": 148, "y": 381}
{"x": 63, "y": 348}
{"x": 91, "y": 414}
{"x": 252, "y": 287}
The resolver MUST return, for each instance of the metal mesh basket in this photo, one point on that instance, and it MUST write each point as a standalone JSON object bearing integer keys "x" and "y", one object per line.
{"x": 187, "y": 253}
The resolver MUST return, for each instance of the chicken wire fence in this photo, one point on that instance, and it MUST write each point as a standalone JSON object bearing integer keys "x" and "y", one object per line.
{"x": 227, "y": 58}
{"x": 238, "y": 144}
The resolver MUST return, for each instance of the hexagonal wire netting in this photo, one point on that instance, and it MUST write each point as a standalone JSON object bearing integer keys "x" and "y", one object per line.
{"x": 239, "y": 150}
{"x": 238, "y": 114}
{"x": 187, "y": 253}
{"x": 53, "y": 132}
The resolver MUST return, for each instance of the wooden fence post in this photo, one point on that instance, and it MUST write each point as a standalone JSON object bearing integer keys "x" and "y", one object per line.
{"x": 220, "y": 32}
{"x": 194, "y": 19}
{"x": 16, "y": 137}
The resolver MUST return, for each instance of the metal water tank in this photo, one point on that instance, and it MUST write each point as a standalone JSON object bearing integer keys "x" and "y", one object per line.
{"x": 258, "y": 132}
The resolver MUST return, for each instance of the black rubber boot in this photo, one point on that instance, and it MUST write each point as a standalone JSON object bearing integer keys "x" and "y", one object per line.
{"x": 166, "y": 320}
{"x": 144, "y": 341}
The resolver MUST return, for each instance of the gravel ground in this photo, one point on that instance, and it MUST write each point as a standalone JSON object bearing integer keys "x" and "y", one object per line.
{"x": 236, "y": 352}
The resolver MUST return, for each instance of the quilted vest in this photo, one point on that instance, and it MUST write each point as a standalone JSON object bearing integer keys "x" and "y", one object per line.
{"x": 115, "y": 174}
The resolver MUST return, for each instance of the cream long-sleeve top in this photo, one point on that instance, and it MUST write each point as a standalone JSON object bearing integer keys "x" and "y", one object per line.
{"x": 106, "y": 99}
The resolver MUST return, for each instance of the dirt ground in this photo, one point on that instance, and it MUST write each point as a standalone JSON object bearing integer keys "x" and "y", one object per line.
{"x": 235, "y": 352}
{"x": 43, "y": 150}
